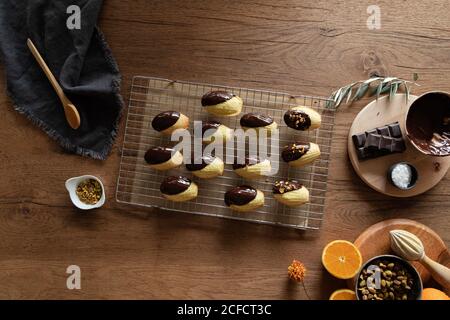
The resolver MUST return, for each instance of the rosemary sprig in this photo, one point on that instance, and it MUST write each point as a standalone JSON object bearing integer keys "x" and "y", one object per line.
{"x": 374, "y": 86}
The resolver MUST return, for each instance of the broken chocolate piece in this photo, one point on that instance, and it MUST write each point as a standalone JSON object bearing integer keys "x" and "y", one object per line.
{"x": 379, "y": 142}
{"x": 398, "y": 145}
{"x": 373, "y": 142}
{"x": 395, "y": 131}
{"x": 359, "y": 140}
{"x": 383, "y": 131}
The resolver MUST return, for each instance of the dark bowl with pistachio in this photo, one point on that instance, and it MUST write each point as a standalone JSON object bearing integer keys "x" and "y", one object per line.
{"x": 388, "y": 277}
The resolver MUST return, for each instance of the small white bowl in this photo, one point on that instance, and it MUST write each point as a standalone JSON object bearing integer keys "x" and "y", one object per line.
{"x": 71, "y": 186}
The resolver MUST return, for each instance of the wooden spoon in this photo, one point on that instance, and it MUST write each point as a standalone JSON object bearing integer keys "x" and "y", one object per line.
{"x": 71, "y": 112}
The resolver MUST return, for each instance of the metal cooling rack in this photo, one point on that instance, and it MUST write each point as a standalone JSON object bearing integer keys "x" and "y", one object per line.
{"x": 139, "y": 185}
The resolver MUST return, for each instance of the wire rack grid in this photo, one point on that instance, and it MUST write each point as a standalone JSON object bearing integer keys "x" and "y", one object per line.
{"x": 139, "y": 185}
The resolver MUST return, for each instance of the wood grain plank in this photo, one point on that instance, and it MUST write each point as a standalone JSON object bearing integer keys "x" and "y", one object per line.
{"x": 307, "y": 47}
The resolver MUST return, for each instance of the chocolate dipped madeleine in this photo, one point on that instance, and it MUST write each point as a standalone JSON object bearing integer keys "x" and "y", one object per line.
{"x": 290, "y": 193}
{"x": 214, "y": 130}
{"x": 302, "y": 118}
{"x": 206, "y": 167}
{"x": 244, "y": 198}
{"x": 258, "y": 121}
{"x": 300, "y": 154}
{"x": 163, "y": 158}
{"x": 252, "y": 167}
{"x": 222, "y": 103}
{"x": 168, "y": 121}
{"x": 178, "y": 189}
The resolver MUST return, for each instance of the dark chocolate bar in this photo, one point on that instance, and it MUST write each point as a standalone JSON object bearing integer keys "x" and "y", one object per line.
{"x": 379, "y": 142}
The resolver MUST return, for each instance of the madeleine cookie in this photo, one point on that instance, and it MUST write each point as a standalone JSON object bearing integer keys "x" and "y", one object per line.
{"x": 222, "y": 103}
{"x": 290, "y": 193}
{"x": 169, "y": 121}
{"x": 252, "y": 167}
{"x": 162, "y": 158}
{"x": 302, "y": 118}
{"x": 213, "y": 130}
{"x": 258, "y": 121}
{"x": 244, "y": 198}
{"x": 206, "y": 167}
{"x": 300, "y": 154}
{"x": 178, "y": 189}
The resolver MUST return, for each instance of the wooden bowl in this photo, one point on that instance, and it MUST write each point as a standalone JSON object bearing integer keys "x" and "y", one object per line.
{"x": 375, "y": 241}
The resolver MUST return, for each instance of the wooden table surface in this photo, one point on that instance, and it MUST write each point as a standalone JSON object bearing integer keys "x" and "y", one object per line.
{"x": 305, "y": 47}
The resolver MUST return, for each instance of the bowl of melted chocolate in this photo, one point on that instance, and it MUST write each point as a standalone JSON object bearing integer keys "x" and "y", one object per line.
{"x": 428, "y": 124}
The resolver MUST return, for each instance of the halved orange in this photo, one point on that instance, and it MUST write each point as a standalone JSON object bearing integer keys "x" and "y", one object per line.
{"x": 343, "y": 294}
{"x": 434, "y": 294}
{"x": 342, "y": 259}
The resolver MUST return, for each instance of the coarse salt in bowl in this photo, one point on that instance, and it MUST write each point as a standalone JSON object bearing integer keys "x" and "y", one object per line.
{"x": 403, "y": 175}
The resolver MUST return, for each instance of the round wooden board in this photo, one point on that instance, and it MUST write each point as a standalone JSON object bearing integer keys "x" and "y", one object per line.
{"x": 375, "y": 241}
{"x": 374, "y": 171}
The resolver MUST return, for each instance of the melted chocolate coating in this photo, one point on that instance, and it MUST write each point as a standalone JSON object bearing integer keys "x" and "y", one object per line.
{"x": 157, "y": 155}
{"x": 297, "y": 119}
{"x": 240, "y": 196}
{"x": 248, "y": 161}
{"x": 210, "y": 125}
{"x": 216, "y": 97}
{"x": 283, "y": 186}
{"x": 294, "y": 151}
{"x": 175, "y": 185}
{"x": 165, "y": 120}
{"x": 255, "y": 120}
{"x": 428, "y": 124}
{"x": 199, "y": 163}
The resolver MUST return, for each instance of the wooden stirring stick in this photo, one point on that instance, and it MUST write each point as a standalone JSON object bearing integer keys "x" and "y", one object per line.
{"x": 71, "y": 112}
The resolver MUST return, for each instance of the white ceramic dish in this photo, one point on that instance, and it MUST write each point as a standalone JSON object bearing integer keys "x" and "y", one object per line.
{"x": 71, "y": 186}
